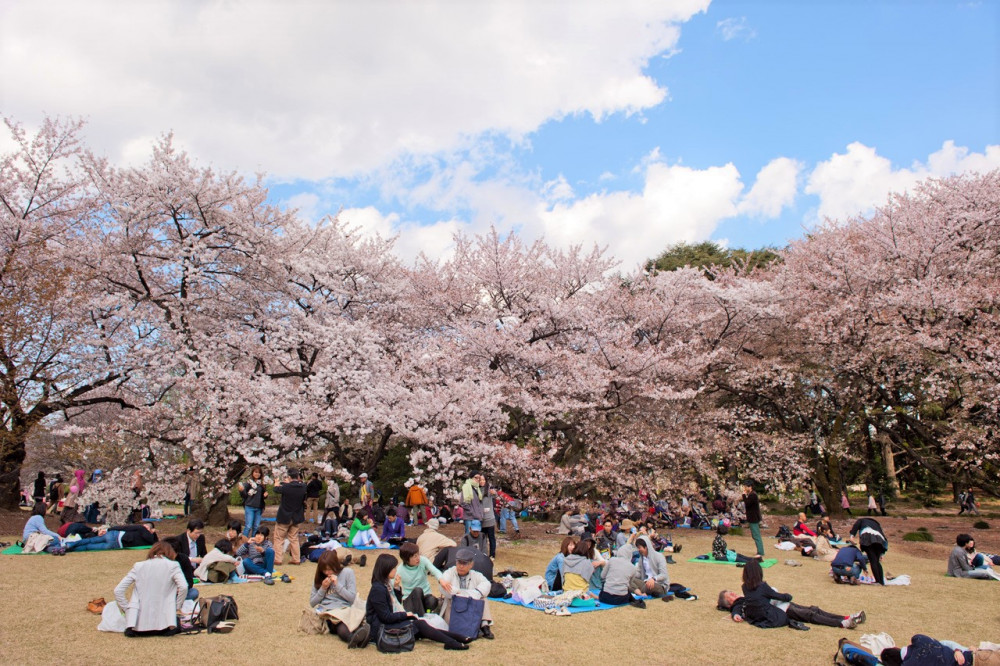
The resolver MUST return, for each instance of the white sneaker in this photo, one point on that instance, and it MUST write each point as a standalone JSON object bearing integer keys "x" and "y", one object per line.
{"x": 993, "y": 574}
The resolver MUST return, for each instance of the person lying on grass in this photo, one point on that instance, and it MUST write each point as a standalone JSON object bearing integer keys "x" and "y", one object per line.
{"x": 923, "y": 651}
{"x": 113, "y": 538}
{"x": 764, "y": 607}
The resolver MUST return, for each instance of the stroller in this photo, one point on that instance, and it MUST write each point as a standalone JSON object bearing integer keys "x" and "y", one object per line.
{"x": 699, "y": 520}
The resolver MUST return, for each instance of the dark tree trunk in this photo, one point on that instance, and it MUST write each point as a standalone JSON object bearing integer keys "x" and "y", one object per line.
{"x": 218, "y": 513}
{"x": 12, "y": 453}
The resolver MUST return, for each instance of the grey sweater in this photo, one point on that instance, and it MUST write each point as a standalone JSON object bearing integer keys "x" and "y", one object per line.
{"x": 958, "y": 563}
{"x": 617, "y": 574}
{"x": 339, "y": 595}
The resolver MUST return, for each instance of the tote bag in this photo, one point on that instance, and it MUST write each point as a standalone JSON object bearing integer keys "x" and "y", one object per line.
{"x": 466, "y": 616}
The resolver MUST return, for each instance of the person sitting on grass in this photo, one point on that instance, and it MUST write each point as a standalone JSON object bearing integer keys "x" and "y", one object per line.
{"x": 114, "y": 538}
{"x": 363, "y": 531}
{"x": 159, "y": 592}
{"x": 385, "y": 608}
{"x": 616, "y": 578}
{"x": 801, "y": 527}
{"x": 257, "y": 554}
{"x": 465, "y": 581}
{"x": 334, "y": 591}
{"x": 578, "y": 568}
{"x": 650, "y": 574}
{"x": 394, "y": 528}
{"x": 413, "y": 573}
{"x": 218, "y": 566}
{"x": 960, "y": 562}
{"x": 720, "y": 549}
{"x": 606, "y": 537}
{"x": 430, "y": 542}
{"x": 553, "y": 572}
{"x": 475, "y": 538}
{"x": 234, "y": 532}
{"x": 848, "y": 564}
{"x": 824, "y": 528}
{"x": 786, "y": 612}
{"x": 36, "y": 524}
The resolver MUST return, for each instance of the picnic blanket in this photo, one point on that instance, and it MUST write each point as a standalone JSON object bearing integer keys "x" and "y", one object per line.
{"x": 571, "y": 609}
{"x": 17, "y": 550}
{"x": 708, "y": 559}
{"x": 390, "y": 547}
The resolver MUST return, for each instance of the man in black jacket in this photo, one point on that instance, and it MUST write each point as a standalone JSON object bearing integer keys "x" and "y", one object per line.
{"x": 113, "y": 538}
{"x": 786, "y": 613}
{"x": 752, "y": 505}
{"x": 190, "y": 548}
{"x": 290, "y": 513}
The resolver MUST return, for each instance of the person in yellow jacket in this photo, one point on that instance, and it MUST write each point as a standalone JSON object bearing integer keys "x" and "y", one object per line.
{"x": 416, "y": 502}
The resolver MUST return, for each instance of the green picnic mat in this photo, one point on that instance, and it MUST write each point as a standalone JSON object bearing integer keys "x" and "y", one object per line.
{"x": 17, "y": 550}
{"x": 710, "y": 560}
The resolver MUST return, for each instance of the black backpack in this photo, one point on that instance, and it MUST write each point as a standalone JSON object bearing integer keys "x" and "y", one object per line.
{"x": 784, "y": 533}
{"x": 215, "y": 610}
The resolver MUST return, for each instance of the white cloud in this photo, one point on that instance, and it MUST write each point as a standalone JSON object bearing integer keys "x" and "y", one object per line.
{"x": 855, "y": 182}
{"x": 735, "y": 28}
{"x": 309, "y": 90}
{"x": 775, "y": 188}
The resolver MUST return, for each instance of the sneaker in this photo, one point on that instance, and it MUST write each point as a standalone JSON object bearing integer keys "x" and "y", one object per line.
{"x": 268, "y": 580}
{"x": 359, "y": 637}
{"x": 849, "y": 623}
{"x": 860, "y": 617}
{"x": 285, "y": 578}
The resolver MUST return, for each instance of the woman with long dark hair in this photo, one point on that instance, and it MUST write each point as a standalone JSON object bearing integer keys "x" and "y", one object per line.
{"x": 334, "y": 591}
{"x": 385, "y": 607}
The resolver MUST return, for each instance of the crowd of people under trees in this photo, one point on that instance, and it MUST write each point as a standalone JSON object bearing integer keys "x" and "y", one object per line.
{"x": 613, "y": 552}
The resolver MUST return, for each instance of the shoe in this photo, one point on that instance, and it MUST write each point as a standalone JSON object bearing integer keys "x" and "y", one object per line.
{"x": 860, "y": 617}
{"x": 359, "y": 636}
{"x": 456, "y": 646}
{"x": 346, "y": 560}
{"x": 550, "y": 611}
{"x": 638, "y": 603}
{"x": 849, "y": 623}
{"x": 363, "y": 561}
{"x": 563, "y": 612}
{"x": 285, "y": 578}
{"x": 268, "y": 580}
{"x": 795, "y": 624}
{"x": 740, "y": 565}
{"x": 670, "y": 560}
{"x": 667, "y": 598}
{"x": 677, "y": 548}
{"x": 486, "y": 632}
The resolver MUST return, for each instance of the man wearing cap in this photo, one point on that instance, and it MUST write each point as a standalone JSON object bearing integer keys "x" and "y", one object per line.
{"x": 367, "y": 493}
{"x": 430, "y": 541}
{"x": 475, "y": 538}
{"x": 291, "y": 512}
{"x": 467, "y": 582}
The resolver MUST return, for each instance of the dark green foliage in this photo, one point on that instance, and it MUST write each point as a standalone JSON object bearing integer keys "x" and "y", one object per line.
{"x": 918, "y": 536}
{"x": 926, "y": 488}
{"x": 707, "y": 254}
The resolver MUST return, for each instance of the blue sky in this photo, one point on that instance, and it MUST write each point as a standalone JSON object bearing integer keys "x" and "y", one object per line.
{"x": 631, "y": 124}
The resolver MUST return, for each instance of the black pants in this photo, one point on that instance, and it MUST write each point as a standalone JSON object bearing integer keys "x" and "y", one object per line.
{"x": 491, "y": 535}
{"x": 425, "y": 630}
{"x": 419, "y": 603}
{"x": 874, "y": 553}
{"x": 813, "y": 615}
{"x": 326, "y": 512}
{"x": 615, "y": 599}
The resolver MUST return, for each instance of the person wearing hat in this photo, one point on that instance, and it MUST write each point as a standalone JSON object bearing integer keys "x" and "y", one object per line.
{"x": 475, "y": 538}
{"x": 465, "y": 581}
{"x": 430, "y": 541}
{"x": 626, "y": 533}
{"x": 367, "y": 491}
{"x": 291, "y": 512}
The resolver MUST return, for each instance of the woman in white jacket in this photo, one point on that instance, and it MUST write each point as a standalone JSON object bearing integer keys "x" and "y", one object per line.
{"x": 159, "y": 590}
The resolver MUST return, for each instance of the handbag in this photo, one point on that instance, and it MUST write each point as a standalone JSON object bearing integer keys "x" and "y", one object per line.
{"x": 396, "y": 639}
{"x": 311, "y": 623}
{"x": 466, "y": 616}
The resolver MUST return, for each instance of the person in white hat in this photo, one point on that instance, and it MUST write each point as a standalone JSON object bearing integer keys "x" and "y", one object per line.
{"x": 430, "y": 541}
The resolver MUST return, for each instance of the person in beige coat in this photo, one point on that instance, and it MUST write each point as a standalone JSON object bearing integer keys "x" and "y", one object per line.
{"x": 430, "y": 541}
{"x": 159, "y": 590}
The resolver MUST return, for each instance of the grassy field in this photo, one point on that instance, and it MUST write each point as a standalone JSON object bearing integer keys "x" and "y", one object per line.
{"x": 43, "y": 618}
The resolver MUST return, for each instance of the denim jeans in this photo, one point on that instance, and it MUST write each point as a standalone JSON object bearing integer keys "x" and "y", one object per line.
{"x": 851, "y": 571}
{"x": 254, "y": 569}
{"x": 252, "y": 518}
{"x": 506, "y": 514}
{"x": 107, "y": 542}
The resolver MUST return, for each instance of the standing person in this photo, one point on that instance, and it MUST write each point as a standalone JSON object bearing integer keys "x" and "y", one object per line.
{"x": 39, "y": 494}
{"x": 138, "y": 485}
{"x": 416, "y": 501}
{"x": 367, "y": 491}
{"x": 872, "y": 505}
{"x": 253, "y": 493}
{"x": 313, "y": 490}
{"x": 881, "y": 501}
{"x": 752, "y": 505}
{"x": 192, "y": 488}
{"x": 331, "y": 501}
{"x": 291, "y": 512}
{"x": 56, "y": 494}
{"x": 489, "y": 520}
{"x": 508, "y": 512}
{"x": 472, "y": 500}
{"x": 160, "y": 590}
{"x": 868, "y": 534}
{"x": 845, "y": 503}
{"x": 385, "y": 609}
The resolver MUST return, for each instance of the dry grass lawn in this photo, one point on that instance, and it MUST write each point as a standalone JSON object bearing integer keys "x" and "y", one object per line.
{"x": 43, "y": 621}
